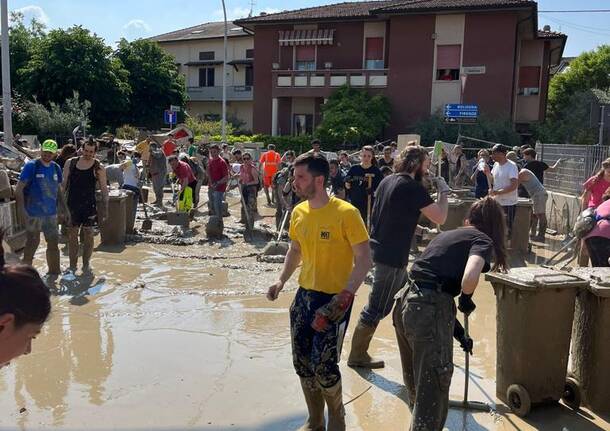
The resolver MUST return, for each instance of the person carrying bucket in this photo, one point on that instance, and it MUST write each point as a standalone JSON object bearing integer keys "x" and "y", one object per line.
{"x": 424, "y": 314}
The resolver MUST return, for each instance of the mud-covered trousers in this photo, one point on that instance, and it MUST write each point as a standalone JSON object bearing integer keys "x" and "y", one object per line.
{"x": 387, "y": 281}
{"x": 424, "y": 320}
{"x": 315, "y": 354}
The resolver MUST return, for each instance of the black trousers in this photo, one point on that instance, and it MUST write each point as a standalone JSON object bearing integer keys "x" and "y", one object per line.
{"x": 599, "y": 250}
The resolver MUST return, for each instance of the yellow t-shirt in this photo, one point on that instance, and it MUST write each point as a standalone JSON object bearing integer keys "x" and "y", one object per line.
{"x": 326, "y": 236}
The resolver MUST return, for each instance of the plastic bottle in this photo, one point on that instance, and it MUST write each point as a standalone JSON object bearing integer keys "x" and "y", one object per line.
{"x": 481, "y": 164}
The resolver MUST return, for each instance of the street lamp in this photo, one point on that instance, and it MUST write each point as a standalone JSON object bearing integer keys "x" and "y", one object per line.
{"x": 6, "y": 78}
{"x": 224, "y": 77}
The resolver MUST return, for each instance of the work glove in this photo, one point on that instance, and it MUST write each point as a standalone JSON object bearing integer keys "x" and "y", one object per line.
{"x": 440, "y": 184}
{"x": 465, "y": 304}
{"x": 460, "y": 335}
{"x": 333, "y": 311}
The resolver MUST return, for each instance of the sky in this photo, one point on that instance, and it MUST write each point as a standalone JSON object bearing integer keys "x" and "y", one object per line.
{"x": 132, "y": 19}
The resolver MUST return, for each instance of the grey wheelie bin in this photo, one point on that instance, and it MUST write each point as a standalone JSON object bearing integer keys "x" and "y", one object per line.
{"x": 535, "y": 310}
{"x": 589, "y": 380}
{"x": 113, "y": 229}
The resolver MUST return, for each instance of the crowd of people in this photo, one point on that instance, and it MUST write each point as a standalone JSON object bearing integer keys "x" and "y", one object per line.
{"x": 346, "y": 215}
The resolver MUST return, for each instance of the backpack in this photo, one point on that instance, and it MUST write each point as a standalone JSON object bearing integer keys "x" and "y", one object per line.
{"x": 586, "y": 222}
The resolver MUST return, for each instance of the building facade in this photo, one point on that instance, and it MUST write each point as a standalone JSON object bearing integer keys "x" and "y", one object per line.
{"x": 199, "y": 53}
{"x": 421, "y": 55}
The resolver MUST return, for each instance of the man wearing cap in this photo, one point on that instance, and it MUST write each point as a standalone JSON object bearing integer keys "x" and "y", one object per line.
{"x": 504, "y": 180}
{"x": 38, "y": 194}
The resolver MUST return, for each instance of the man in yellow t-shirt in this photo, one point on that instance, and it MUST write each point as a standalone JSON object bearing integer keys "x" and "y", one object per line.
{"x": 329, "y": 237}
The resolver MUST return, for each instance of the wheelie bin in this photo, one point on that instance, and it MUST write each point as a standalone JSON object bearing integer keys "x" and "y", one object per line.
{"x": 113, "y": 229}
{"x": 589, "y": 377}
{"x": 535, "y": 310}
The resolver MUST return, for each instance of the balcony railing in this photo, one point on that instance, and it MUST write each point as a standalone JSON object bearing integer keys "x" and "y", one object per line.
{"x": 206, "y": 94}
{"x": 362, "y": 78}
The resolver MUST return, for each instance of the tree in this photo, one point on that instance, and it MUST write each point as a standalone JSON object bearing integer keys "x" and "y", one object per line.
{"x": 65, "y": 61}
{"x": 58, "y": 120}
{"x": 353, "y": 116}
{"x": 154, "y": 80}
{"x": 587, "y": 71}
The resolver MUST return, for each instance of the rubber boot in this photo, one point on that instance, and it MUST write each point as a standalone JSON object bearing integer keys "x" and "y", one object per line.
{"x": 73, "y": 247}
{"x": 53, "y": 257}
{"x": 542, "y": 229}
{"x": 87, "y": 248}
{"x": 31, "y": 245}
{"x": 336, "y": 412}
{"x": 315, "y": 405}
{"x": 358, "y": 356}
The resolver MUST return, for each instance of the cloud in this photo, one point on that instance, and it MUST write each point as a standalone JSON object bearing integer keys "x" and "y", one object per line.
{"x": 137, "y": 26}
{"x": 240, "y": 12}
{"x": 33, "y": 12}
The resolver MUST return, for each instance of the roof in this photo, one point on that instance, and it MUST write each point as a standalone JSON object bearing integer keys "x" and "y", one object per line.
{"x": 545, "y": 34}
{"x": 360, "y": 9}
{"x": 208, "y": 30}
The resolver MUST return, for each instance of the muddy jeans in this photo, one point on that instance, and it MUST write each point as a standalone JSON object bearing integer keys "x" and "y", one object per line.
{"x": 424, "y": 320}
{"x": 315, "y": 354}
{"x": 387, "y": 281}
{"x": 48, "y": 226}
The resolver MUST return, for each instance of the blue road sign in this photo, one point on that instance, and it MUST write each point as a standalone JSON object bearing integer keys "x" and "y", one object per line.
{"x": 455, "y": 110}
{"x": 461, "y": 107}
{"x": 169, "y": 117}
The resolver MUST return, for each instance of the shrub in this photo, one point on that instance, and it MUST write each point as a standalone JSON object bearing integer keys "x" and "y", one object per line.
{"x": 127, "y": 132}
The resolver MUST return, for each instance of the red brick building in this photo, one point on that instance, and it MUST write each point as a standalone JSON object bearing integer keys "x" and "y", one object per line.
{"x": 414, "y": 52}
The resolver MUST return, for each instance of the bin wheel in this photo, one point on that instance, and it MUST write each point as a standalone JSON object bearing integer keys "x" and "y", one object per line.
{"x": 519, "y": 400}
{"x": 572, "y": 394}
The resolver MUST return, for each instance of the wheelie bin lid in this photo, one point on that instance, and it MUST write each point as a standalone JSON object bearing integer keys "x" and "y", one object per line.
{"x": 598, "y": 278}
{"x": 535, "y": 278}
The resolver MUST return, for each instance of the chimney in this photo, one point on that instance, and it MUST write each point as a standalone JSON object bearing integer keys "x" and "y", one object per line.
{"x": 546, "y": 28}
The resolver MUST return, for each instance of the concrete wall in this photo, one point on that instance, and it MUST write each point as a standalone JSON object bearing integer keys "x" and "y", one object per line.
{"x": 562, "y": 211}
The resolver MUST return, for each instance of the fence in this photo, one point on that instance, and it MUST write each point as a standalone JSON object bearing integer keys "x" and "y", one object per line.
{"x": 579, "y": 162}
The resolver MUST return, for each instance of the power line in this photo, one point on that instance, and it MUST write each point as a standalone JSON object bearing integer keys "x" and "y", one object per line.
{"x": 580, "y": 26}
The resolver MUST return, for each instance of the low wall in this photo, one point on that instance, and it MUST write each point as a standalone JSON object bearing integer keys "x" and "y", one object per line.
{"x": 562, "y": 210}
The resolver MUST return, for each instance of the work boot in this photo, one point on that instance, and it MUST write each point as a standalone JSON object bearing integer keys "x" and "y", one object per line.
{"x": 87, "y": 248}
{"x": 336, "y": 412}
{"x": 53, "y": 257}
{"x": 315, "y": 405}
{"x": 31, "y": 245}
{"x": 358, "y": 356}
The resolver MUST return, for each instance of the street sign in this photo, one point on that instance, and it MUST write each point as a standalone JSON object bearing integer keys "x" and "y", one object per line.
{"x": 461, "y": 111}
{"x": 169, "y": 117}
{"x": 453, "y": 120}
{"x": 461, "y": 114}
{"x": 473, "y": 70}
{"x": 174, "y": 108}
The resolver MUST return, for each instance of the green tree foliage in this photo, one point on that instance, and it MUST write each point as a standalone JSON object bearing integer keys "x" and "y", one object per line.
{"x": 209, "y": 128}
{"x": 58, "y": 120}
{"x": 154, "y": 81}
{"x": 352, "y": 116}
{"x": 65, "y": 61}
{"x": 434, "y": 128}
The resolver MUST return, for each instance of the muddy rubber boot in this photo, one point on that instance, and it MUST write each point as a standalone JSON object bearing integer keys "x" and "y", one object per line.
{"x": 358, "y": 356}
{"x": 315, "y": 405}
{"x": 53, "y": 257}
{"x": 73, "y": 247}
{"x": 87, "y": 249}
{"x": 31, "y": 245}
{"x": 336, "y": 412}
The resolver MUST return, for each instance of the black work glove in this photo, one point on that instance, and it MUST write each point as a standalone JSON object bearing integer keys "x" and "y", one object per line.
{"x": 460, "y": 335}
{"x": 465, "y": 304}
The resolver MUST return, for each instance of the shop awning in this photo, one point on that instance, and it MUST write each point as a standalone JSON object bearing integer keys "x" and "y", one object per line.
{"x": 307, "y": 37}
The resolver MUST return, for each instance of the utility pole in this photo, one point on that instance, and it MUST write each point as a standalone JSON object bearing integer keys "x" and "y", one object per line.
{"x": 7, "y": 105}
{"x": 602, "y": 118}
{"x": 224, "y": 77}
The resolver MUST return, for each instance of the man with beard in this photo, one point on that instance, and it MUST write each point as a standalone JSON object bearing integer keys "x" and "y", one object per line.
{"x": 329, "y": 237}
{"x": 400, "y": 200}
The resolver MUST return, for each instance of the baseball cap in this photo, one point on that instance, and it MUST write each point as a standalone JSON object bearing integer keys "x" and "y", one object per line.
{"x": 49, "y": 145}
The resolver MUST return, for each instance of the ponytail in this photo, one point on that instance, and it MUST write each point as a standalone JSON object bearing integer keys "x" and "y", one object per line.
{"x": 22, "y": 292}
{"x": 487, "y": 216}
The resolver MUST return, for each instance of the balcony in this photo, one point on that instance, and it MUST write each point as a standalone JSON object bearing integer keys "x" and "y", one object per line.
{"x": 213, "y": 94}
{"x": 321, "y": 83}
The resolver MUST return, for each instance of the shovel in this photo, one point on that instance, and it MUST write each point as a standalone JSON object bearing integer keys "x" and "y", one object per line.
{"x": 277, "y": 247}
{"x": 465, "y": 404}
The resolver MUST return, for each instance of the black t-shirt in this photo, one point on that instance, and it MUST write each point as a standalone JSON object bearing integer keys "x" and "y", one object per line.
{"x": 382, "y": 162}
{"x": 398, "y": 203}
{"x": 337, "y": 183}
{"x": 537, "y": 167}
{"x": 356, "y": 176}
{"x": 444, "y": 260}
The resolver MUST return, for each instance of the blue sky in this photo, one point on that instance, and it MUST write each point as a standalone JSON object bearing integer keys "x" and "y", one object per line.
{"x": 113, "y": 19}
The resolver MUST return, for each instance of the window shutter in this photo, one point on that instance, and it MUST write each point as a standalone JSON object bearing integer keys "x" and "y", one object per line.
{"x": 374, "y": 48}
{"x": 306, "y": 53}
{"x": 448, "y": 56}
{"x": 529, "y": 77}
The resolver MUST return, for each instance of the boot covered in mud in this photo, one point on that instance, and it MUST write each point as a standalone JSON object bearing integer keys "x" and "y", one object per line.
{"x": 315, "y": 405}
{"x": 358, "y": 356}
{"x": 214, "y": 227}
{"x": 336, "y": 412}
{"x": 53, "y": 256}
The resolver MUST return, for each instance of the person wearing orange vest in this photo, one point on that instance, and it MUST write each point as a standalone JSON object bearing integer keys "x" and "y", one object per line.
{"x": 270, "y": 162}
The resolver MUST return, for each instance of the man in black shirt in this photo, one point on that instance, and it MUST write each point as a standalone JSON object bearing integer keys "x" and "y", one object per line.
{"x": 337, "y": 180}
{"x": 386, "y": 159}
{"x": 400, "y": 200}
{"x": 536, "y": 166}
{"x": 361, "y": 182}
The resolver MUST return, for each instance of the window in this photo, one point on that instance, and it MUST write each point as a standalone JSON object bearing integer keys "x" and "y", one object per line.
{"x": 305, "y": 57}
{"x": 249, "y": 75}
{"x": 249, "y": 53}
{"x": 302, "y": 124}
{"x": 529, "y": 80}
{"x": 373, "y": 56}
{"x": 206, "y": 55}
{"x": 206, "y": 77}
{"x": 448, "y": 62}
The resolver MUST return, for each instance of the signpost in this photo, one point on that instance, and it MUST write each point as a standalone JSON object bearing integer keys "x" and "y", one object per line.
{"x": 459, "y": 113}
{"x": 169, "y": 117}
{"x": 174, "y": 108}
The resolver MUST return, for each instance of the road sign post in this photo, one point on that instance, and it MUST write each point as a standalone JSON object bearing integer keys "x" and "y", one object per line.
{"x": 461, "y": 113}
{"x": 169, "y": 117}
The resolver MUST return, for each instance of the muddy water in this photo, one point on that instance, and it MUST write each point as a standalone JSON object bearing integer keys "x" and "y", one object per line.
{"x": 155, "y": 341}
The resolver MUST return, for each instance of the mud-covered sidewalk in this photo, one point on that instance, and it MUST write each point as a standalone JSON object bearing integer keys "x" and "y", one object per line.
{"x": 167, "y": 336}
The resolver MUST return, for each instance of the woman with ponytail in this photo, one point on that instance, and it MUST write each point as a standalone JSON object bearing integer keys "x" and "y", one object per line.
{"x": 25, "y": 305}
{"x": 425, "y": 312}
